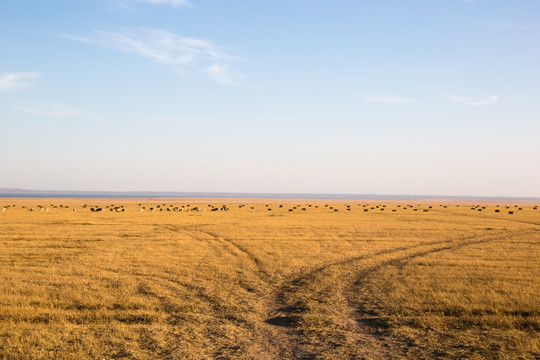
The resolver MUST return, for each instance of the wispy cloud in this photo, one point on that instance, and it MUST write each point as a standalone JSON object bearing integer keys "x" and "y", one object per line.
{"x": 54, "y": 111}
{"x": 386, "y": 99}
{"x": 474, "y": 101}
{"x": 222, "y": 74}
{"x": 17, "y": 80}
{"x": 183, "y": 54}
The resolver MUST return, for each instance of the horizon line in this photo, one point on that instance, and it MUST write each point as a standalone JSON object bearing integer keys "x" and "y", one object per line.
{"x": 17, "y": 192}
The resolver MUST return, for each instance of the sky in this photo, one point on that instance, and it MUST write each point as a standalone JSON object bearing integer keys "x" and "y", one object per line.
{"x": 365, "y": 97}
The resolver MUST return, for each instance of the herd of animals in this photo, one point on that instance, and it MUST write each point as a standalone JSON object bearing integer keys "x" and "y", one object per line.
{"x": 291, "y": 208}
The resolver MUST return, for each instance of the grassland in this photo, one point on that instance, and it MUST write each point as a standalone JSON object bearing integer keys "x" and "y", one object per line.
{"x": 394, "y": 280}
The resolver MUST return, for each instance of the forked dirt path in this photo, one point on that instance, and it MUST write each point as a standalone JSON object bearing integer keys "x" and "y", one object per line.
{"x": 329, "y": 292}
{"x": 363, "y": 339}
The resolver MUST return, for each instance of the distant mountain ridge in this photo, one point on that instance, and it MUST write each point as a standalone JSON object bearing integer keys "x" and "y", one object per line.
{"x": 16, "y": 192}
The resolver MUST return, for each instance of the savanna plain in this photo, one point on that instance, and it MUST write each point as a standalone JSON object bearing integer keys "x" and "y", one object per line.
{"x": 268, "y": 279}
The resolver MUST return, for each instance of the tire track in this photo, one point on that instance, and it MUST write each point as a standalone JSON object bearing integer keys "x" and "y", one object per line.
{"x": 305, "y": 277}
{"x": 289, "y": 315}
{"x": 369, "y": 323}
{"x": 284, "y": 315}
{"x": 264, "y": 275}
{"x": 277, "y": 343}
{"x": 231, "y": 246}
{"x": 264, "y": 335}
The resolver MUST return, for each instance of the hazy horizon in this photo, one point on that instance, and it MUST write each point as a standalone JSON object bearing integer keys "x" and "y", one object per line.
{"x": 30, "y": 193}
{"x": 347, "y": 97}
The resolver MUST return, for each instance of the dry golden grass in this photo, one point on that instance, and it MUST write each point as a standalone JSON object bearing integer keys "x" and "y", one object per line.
{"x": 449, "y": 283}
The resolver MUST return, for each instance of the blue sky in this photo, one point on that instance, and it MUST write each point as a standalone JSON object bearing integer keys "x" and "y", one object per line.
{"x": 389, "y": 97}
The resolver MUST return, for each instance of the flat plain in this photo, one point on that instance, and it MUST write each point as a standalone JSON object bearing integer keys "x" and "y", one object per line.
{"x": 268, "y": 279}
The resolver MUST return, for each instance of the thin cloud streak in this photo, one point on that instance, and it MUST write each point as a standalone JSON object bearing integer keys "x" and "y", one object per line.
{"x": 53, "y": 111}
{"x": 183, "y": 54}
{"x": 470, "y": 101}
{"x": 18, "y": 80}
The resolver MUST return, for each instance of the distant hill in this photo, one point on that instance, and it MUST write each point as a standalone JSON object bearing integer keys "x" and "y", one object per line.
{"x": 16, "y": 192}
{"x": 12, "y": 190}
